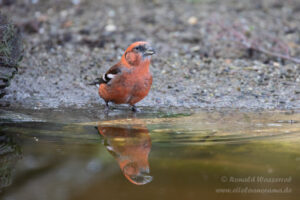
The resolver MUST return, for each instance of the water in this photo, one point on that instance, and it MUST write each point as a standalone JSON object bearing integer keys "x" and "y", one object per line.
{"x": 168, "y": 154}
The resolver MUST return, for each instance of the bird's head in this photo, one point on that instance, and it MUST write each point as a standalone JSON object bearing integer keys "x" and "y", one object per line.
{"x": 138, "y": 53}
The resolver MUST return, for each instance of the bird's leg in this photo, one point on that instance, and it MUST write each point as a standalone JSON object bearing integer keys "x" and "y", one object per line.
{"x": 106, "y": 106}
{"x": 135, "y": 109}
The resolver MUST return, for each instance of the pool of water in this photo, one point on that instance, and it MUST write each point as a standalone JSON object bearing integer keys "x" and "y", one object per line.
{"x": 166, "y": 154}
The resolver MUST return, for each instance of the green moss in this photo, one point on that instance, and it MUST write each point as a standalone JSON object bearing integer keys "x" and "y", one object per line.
{"x": 10, "y": 44}
{"x": 10, "y": 52}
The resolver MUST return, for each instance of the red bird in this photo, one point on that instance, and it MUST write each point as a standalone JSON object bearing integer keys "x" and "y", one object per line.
{"x": 130, "y": 80}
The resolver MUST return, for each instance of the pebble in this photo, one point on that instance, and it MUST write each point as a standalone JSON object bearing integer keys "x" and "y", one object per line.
{"x": 75, "y": 2}
{"x": 110, "y": 28}
{"x": 193, "y": 20}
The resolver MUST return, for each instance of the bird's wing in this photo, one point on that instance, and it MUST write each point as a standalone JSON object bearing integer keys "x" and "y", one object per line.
{"x": 110, "y": 74}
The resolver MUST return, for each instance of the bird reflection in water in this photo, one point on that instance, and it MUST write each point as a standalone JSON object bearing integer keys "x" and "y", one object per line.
{"x": 130, "y": 145}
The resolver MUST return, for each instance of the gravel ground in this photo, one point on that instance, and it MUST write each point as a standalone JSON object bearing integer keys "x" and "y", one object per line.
{"x": 203, "y": 59}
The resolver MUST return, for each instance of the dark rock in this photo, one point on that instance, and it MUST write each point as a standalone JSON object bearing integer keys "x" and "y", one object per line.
{"x": 10, "y": 52}
{"x": 31, "y": 27}
{"x": 84, "y": 32}
{"x": 7, "y": 2}
{"x": 149, "y": 19}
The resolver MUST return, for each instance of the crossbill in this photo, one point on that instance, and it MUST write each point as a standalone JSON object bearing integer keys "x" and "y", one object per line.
{"x": 130, "y": 80}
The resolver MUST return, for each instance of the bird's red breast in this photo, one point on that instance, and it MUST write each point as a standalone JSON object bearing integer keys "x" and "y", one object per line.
{"x": 130, "y": 80}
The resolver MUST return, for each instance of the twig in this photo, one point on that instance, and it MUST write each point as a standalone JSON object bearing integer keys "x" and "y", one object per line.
{"x": 282, "y": 56}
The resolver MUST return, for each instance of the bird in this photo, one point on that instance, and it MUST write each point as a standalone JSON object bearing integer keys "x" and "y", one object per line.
{"x": 129, "y": 81}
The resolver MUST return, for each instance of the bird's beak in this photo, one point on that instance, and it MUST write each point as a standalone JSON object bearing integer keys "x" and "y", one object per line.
{"x": 149, "y": 51}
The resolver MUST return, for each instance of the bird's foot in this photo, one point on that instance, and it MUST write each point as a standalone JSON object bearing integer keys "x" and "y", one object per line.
{"x": 135, "y": 109}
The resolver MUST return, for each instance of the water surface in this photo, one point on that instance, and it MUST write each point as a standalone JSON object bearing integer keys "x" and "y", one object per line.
{"x": 168, "y": 154}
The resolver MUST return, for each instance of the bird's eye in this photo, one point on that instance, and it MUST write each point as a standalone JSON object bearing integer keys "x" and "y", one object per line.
{"x": 137, "y": 48}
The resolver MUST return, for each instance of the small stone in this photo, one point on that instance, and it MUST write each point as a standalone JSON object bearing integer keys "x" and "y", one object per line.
{"x": 110, "y": 28}
{"x": 42, "y": 18}
{"x": 67, "y": 24}
{"x": 31, "y": 26}
{"x": 111, "y": 13}
{"x": 276, "y": 64}
{"x": 7, "y": 2}
{"x": 228, "y": 61}
{"x": 76, "y": 2}
{"x": 195, "y": 48}
{"x": 193, "y": 20}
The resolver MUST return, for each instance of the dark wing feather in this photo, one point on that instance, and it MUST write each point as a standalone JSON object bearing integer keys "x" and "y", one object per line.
{"x": 97, "y": 81}
{"x": 114, "y": 70}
